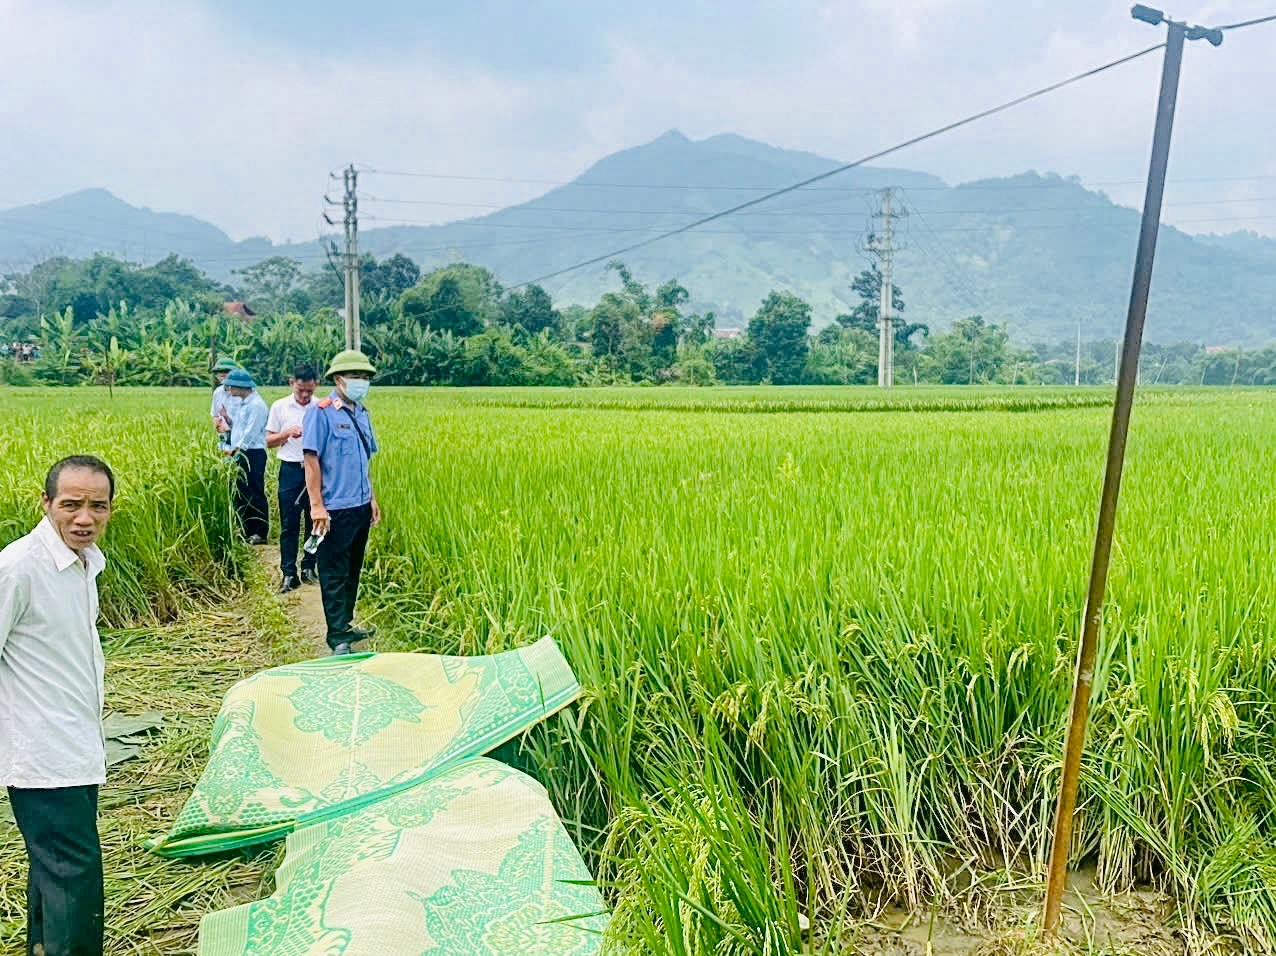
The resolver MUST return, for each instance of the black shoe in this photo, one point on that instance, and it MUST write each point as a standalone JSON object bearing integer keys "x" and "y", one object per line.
{"x": 309, "y": 575}
{"x": 353, "y": 634}
{"x": 290, "y": 583}
{"x": 256, "y": 539}
{"x": 341, "y": 650}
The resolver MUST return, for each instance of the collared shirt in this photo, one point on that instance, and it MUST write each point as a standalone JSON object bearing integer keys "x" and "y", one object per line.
{"x": 248, "y": 429}
{"x": 51, "y": 664}
{"x": 221, "y": 407}
{"x": 331, "y": 430}
{"x": 220, "y": 398}
{"x": 284, "y": 414}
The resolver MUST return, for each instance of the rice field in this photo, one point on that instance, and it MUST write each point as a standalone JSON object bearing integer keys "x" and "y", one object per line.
{"x": 172, "y": 521}
{"x": 826, "y": 637}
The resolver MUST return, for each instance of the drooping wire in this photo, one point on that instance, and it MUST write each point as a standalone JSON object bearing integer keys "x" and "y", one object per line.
{"x": 847, "y": 166}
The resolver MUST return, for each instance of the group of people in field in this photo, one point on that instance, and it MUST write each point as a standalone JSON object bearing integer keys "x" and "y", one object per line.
{"x": 20, "y": 351}
{"x": 52, "y": 688}
{"x": 324, "y": 448}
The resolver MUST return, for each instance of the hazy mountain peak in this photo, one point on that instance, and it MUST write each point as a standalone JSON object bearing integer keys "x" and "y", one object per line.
{"x": 1037, "y": 252}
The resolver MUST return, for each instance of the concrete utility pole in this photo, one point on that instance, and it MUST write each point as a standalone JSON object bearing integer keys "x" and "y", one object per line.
{"x": 882, "y": 245}
{"x": 351, "y": 203}
{"x": 1076, "y": 374}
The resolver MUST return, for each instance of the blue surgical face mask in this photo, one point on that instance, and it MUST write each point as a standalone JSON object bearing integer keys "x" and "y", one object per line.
{"x": 357, "y": 389}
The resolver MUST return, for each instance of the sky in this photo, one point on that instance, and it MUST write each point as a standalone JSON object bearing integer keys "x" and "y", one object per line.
{"x": 237, "y": 111}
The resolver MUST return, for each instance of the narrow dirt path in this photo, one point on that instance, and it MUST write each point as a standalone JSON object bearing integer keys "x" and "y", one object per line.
{"x": 304, "y": 605}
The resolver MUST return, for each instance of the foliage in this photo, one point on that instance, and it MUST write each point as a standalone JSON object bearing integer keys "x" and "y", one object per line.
{"x": 973, "y": 352}
{"x": 388, "y": 279}
{"x": 167, "y": 322}
{"x": 268, "y": 283}
{"x": 778, "y": 339}
{"x": 442, "y": 307}
{"x": 531, "y": 310}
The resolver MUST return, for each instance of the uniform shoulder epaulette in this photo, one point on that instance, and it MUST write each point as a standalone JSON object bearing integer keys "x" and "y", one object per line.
{"x": 324, "y": 402}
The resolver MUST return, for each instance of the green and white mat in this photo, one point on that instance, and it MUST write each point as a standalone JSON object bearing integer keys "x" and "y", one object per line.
{"x": 473, "y": 862}
{"x": 312, "y": 741}
{"x": 403, "y": 838}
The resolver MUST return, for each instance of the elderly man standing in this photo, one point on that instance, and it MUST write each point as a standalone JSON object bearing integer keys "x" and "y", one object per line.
{"x": 338, "y": 442}
{"x": 52, "y": 754}
{"x": 247, "y": 449}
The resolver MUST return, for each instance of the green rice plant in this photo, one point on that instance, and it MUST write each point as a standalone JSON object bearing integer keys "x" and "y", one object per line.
{"x": 826, "y": 636}
{"x": 850, "y": 636}
{"x": 171, "y": 539}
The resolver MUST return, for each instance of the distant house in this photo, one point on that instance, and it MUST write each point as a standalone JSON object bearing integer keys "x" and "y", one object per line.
{"x": 1216, "y": 349}
{"x": 727, "y": 333}
{"x": 239, "y": 309}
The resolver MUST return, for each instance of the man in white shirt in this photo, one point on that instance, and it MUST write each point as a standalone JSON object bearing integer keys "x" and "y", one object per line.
{"x": 283, "y": 431}
{"x": 219, "y": 411}
{"x": 52, "y": 753}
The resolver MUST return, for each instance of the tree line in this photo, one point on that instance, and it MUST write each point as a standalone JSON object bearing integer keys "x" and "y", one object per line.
{"x": 104, "y": 321}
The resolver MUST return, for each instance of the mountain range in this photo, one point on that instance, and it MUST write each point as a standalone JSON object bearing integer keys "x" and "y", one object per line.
{"x": 1039, "y": 253}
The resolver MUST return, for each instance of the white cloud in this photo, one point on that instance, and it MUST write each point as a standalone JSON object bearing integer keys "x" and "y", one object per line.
{"x": 167, "y": 106}
{"x": 173, "y": 106}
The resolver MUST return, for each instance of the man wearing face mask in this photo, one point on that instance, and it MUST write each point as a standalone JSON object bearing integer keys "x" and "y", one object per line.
{"x": 338, "y": 443}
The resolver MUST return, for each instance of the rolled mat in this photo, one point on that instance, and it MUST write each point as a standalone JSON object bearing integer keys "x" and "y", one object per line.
{"x": 473, "y": 861}
{"x": 313, "y": 741}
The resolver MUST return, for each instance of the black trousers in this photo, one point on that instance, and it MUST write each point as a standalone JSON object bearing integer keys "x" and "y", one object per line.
{"x": 250, "y": 492}
{"x": 340, "y": 563}
{"x": 64, "y": 884}
{"x": 294, "y": 514}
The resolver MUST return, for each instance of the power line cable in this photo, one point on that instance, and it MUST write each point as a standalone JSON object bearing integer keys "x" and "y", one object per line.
{"x": 860, "y": 162}
{"x": 955, "y": 273}
{"x": 1249, "y": 23}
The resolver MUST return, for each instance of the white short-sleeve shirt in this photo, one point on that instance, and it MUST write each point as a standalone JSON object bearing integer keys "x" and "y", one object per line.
{"x": 284, "y": 413}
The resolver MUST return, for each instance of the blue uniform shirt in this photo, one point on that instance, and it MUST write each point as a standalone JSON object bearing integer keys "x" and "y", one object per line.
{"x": 248, "y": 423}
{"x": 329, "y": 431}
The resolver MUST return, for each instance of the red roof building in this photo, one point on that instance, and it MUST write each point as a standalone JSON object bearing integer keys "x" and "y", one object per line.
{"x": 238, "y": 308}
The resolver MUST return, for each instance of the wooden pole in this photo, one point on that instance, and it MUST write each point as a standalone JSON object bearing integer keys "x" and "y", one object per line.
{"x": 1126, "y": 379}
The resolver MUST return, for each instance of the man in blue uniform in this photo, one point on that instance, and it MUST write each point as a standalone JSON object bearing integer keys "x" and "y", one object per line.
{"x": 247, "y": 449}
{"x": 338, "y": 443}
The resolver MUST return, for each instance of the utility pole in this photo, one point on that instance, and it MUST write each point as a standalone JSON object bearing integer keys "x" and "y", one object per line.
{"x": 1127, "y": 377}
{"x": 351, "y": 259}
{"x": 1076, "y": 373}
{"x": 881, "y": 243}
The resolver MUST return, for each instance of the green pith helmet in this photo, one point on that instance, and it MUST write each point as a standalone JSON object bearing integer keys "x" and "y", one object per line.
{"x": 351, "y": 360}
{"x": 225, "y": 364}
{"x": 239, "y": 378}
